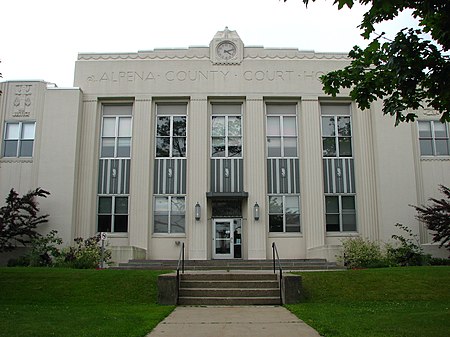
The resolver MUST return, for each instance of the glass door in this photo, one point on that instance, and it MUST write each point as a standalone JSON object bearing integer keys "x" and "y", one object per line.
{"x": 223, "y": 239}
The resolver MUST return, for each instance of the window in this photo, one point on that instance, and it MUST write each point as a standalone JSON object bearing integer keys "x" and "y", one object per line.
{"x": 281, "y": 131}
{"x": 171, "y": 131}
{"x": 434, "y": 138}
{"x": 116, "y": 131}
{"x": 169, "y": 214}
{"x": 114, "y": 168}
{"x": 226, "y": 131}
{"x": 340, "y": 213}
{"x": 113, "y": 214}
{"x": 18, "y": 139}
{"x": 284, "y": 213}
{"x": 336, "y": 131}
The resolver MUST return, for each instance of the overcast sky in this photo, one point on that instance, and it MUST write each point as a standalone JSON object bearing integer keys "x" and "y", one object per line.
{"x": 41, "y": 38}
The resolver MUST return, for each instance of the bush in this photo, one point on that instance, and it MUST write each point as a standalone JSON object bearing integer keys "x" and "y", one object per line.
{"x": 85, "y": 254}
{"x": 435, "y": 261}
{"x": 45, "y": 250}
{"x": 408, "y": 251}
{"x": 21, "y": 261}
{"x": 362, "y": 253}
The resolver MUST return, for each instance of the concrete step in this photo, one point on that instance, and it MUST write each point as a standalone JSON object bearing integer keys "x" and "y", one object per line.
{"x": 229, "y": 301}
{"x": 229, "y": 292}
{"x": 228, "y": 276}
{"x": 264, "y": 284}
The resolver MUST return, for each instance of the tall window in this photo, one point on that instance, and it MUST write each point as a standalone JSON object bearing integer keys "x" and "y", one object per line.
{"x": 284, "y": 213}
{"x": 18, "y": 140}
{"x": 226, "y": 131}
{"x": 340, "y": 210}
{"x": 171, "y": 131}
{"x": 281, "y": 131}
{"x": 434, "y": 138}
{"x": 115, "y": 153}
{"x": 169, "y": 214}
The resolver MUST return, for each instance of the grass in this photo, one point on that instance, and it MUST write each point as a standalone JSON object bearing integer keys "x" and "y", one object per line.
{"x": 67, "y": 302}
{"x": 388, "y": 302}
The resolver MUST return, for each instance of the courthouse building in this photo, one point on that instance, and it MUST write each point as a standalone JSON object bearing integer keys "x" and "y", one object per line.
{"x": 225, "y": 147}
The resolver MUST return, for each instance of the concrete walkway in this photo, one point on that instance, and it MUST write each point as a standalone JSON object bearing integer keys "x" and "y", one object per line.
{"x": 232, "y": 321}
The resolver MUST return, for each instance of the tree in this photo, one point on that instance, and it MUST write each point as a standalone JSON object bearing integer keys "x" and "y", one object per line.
{"x": 19, "y": 219}
{"x": 406, "y": 72}
{"x": 437, "y": 217}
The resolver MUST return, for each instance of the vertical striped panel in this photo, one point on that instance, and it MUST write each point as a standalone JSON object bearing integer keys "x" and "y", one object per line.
{"x": 170, "y": 176}
{"x": 227, "y": 175}
{"x": 283, "y": 176}
{"x": 114, "y": 176}
{"x": 339, "y": 175}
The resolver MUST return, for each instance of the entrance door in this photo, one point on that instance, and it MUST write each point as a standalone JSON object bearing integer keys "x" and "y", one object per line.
{"x": 227, "y": 238}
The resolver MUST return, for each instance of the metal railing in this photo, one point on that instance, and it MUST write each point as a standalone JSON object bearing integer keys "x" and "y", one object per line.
{"x": 180, "y": 266}
{"x": 276, "y": 260}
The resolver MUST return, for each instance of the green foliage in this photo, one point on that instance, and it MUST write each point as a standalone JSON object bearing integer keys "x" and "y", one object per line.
{"x": 408, "y": 251}
{"x": 437, "y": 217}
{"x": 44, "y": 250}
{"x": 85, "y": 254}
{"x": 407, "y": 71}
{"x": 362, "y": 253}
{"x": 19, "y": 219}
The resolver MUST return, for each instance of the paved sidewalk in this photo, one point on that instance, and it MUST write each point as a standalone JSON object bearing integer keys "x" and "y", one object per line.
{"x": 232, "y": 321}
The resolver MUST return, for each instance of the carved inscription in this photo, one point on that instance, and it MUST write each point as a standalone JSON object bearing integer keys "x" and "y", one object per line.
{"x": 22, "y": 101}
{"x": 205, "y": 75}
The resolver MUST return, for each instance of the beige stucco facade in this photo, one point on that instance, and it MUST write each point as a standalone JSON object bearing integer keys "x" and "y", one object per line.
{"x": 386, "y": 171}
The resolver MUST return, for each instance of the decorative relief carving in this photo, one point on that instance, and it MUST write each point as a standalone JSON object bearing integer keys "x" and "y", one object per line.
{"x": 430, "y": 112}
{"x": 22, "y": 101}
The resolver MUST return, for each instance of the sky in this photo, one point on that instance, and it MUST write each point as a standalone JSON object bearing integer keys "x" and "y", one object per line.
{"x": 41, "y": 39}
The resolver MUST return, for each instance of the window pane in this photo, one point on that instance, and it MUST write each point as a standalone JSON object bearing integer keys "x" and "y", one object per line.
{"x": 332, "y": 223}
{"x": 218, "y": 126}
{"x": 163, "y": 126}
{"x": 426, "y": 147}
{"x": 234, "y": 147}
{"x": 218, "y": 147}
{"x": 290, "y": 147}
{"x": 273, "y": 147}
{"x": 276, "y": 205}
{"x": 292, "y": 222}
{"x": 162, "y": 204}
{"x": 109, "y": 127}
{"x": 179, "y": 147}
{"x": 12, "y": 131}
{"x": 28, "y": 131}
{"x": 442, "y": 147}
{"x": 162, "y": 147}
{"x": 124, "y": 147}
{"x": 121, "y": 205}
{"x": 121, "y": 223}
{"x": 107, "y": 147}
{"x": 161, "y": 224}
{"x": 26, "y": 148}
{"x": 329, "y": 147}
{"x": 345, "y": 147}
{"x": 177, "y": 205}
{"x": 348, "y": 203}
{"x": 291, "y": 205}
{"x": 440, "y": 131}
{"x": 234, "y": 126}
{"x": 273, "y": 126}
{"x": 328, "y": 126}
{"x": 104, "y": 205}
{"x": 10, "y": 148}
{"x": 344, "y": 128}
{"x": 179, "y": 126}
{"x": 424, "y": 129}
{"x": 125, "y": 127}
{"x": 275, "y": 223}
{"x": 289, "y": 127}
{"x": 177, "y": 224}
{"x": 332, "y": 204}
{"x": 349, "y": 222}
{"x": 104, "y": 223}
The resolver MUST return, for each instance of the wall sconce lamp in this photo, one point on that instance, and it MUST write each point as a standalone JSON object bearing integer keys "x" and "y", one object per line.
{"x": 256, "y": 211}
{"x": 198, "y": 211}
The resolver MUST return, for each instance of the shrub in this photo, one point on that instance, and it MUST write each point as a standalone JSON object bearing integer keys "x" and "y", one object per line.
{"x": 362, "y": 253}
{"x": 44, "y": 250}
{"x": 85, "y": 254}
{"x": 21, "y": 261}
{"x": 408, "y": 251}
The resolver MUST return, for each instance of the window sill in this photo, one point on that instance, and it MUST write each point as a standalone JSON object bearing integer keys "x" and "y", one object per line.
{"x": 112, "y": 235}
{"x": 342, "y": 234}
{"x": 16, "y": 160}
{"x": 285, "y": 235}
{"x": 169, "y": 235}
{"x": 434, "y": 158}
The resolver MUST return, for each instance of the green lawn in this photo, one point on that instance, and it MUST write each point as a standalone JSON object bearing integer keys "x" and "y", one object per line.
{"x": 388, "y": 302}
{"x": 66, "y": 302}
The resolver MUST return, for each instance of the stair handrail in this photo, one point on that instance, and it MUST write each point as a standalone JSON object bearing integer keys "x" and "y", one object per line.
{"x": 276, "y": 260}
{"x": 180, "y": 261}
